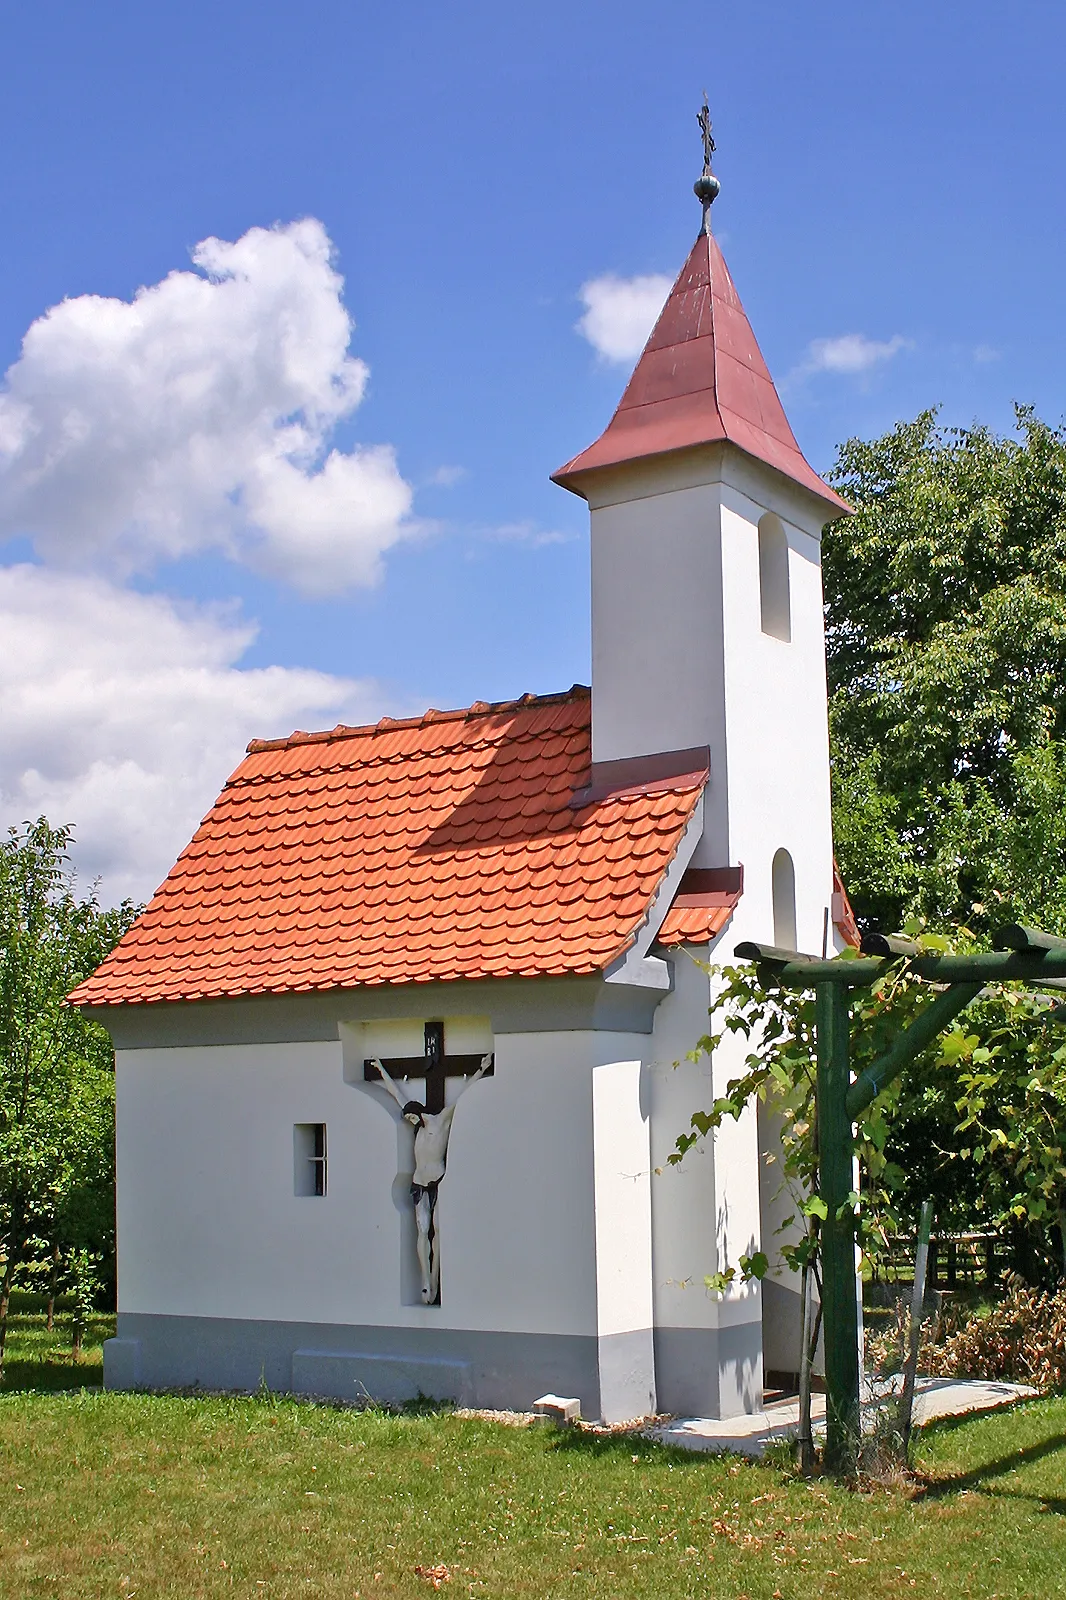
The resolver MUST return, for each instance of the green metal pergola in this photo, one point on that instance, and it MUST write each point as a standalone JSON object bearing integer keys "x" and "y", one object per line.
{"x": 1024, "y": 955}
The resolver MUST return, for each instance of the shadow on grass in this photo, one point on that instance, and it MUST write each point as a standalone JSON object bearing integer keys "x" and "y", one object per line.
{"x": 39, "y": 1359}
{"x": 47, "y": 1377}
{"x": 980, "y": 1480}
{"x": 626, "y": 1446}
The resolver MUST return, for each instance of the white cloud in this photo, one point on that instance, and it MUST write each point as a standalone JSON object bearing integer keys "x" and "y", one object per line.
{"x": 199, "y": 415}
{"x": 528, "y": 533}
{"x": 852, "y": 352}
{"x": 621, "y": 312}
{"x": 447, "y": 477}
{"x": 124, "y": 713}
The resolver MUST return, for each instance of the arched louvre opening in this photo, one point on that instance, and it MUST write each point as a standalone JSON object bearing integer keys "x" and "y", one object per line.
{"x": 784, "y": 898}
{"x": 775, "y": 599}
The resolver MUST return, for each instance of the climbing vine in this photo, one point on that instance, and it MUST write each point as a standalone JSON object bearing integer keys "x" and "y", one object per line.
{"x": 986, "y": 1103}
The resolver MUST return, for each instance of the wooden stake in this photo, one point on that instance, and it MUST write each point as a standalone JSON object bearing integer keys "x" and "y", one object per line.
{"x": 910, "y": 1373}
{"x": 806, "y": 1436}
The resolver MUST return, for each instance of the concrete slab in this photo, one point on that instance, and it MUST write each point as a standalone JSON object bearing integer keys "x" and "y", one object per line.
{"x": 750, "y": 1435}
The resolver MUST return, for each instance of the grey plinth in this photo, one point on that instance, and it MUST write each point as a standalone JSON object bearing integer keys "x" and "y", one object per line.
{"x": 122, "y": 1363}
{"x": 388, "y": 1380}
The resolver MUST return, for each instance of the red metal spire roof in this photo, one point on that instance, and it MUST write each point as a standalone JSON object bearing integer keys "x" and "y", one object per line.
{"x": 700, "y": 380}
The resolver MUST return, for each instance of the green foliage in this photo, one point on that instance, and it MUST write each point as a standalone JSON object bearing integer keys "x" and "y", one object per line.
{"x": 83, "y": 1284}
{"x": 946, "y": 651}
{"x": 979, "y": 1125}
{"x": 56, "y": 1069}
{"x": 1010, "y": 1069}
{"x": 984, "y": 1109}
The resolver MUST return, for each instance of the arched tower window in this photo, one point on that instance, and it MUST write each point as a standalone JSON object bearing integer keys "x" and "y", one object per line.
{"x": 784, "y": 896}
{"x": 774, "y": 595}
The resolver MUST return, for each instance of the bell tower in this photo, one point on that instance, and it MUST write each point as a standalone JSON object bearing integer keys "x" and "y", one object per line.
{"x": 707, "y": 625}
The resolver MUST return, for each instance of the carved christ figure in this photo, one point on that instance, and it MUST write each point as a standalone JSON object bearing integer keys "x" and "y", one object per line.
{"x": 432, "y": 1132}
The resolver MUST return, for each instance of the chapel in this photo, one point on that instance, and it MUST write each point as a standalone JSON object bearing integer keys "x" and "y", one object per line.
{"x": 512, "y": 904}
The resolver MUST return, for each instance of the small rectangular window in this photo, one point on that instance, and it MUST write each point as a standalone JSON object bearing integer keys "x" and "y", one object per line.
{"x": 309, "y": 1157}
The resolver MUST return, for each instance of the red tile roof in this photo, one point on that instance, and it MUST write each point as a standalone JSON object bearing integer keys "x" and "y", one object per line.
{"x": 438, "y": 847}
{"x": 843, "y": 916}
{"x": 694, "y": 924}
{"x": 700, "y": 380}
{"x": 704, "y": 903}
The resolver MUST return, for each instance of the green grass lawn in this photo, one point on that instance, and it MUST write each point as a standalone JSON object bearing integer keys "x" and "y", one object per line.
{"x": 116, "y": 1495}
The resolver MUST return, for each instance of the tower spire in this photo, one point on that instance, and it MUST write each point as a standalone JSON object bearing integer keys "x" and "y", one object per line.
{"x": 706, "y": 186}
{"x": 701, "y": 379}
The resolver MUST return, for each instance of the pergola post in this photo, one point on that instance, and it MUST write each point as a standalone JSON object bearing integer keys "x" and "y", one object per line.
{"x": 836, "y": 1180}
{"x": 1021, "y": 954}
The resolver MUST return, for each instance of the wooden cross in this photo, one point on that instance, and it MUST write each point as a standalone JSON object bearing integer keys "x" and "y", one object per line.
{"x": 434, "y": 1066}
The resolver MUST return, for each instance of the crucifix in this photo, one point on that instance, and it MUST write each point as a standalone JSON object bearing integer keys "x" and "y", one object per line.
{"x": 432, "y": 1125}
{"x": 433, "y": 1065}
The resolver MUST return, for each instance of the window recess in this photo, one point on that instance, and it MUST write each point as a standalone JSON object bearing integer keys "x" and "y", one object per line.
{"x": 309, "y": 1158}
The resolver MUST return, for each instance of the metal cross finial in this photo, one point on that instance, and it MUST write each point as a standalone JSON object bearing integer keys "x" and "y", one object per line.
{"x": 704, "y": 119}
{"x": 706, "y": 186}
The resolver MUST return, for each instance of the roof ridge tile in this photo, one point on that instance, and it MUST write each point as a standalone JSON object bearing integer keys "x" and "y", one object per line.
{"x": 479, "y": 708}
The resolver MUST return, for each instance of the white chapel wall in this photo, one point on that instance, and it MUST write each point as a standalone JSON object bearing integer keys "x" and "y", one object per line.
{"x": 779, "y": 807}
{"x": 205, "y": 1149}
{"x": 680, "y": 657}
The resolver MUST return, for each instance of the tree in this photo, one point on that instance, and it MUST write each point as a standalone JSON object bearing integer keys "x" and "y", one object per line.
{"x": 83, "y": 1279}
{"x": 56, "y": 1068}
{"x": 946, "y": 652}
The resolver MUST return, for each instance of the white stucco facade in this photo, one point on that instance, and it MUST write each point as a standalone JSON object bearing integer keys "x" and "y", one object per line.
{"x": 554, "y": 1226}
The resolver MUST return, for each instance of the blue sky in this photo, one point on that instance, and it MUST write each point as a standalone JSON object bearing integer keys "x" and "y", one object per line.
{"x": 892, "y": 172}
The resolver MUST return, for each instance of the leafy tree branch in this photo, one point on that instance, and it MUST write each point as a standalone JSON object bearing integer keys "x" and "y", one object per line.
{"x": 56, "y": 1068}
